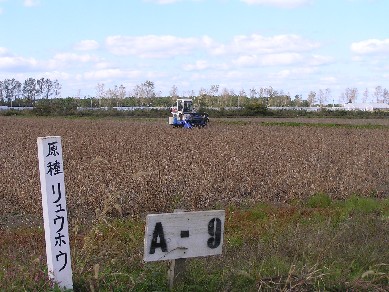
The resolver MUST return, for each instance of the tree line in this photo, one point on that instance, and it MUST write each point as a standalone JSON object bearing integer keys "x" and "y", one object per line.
{"x": 14, "y": 92}
{"x": 350, "y": 95}
{"x": 144, "y": 94}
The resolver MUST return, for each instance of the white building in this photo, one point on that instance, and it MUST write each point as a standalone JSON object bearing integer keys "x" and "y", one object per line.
{"x": 365, "y": 106}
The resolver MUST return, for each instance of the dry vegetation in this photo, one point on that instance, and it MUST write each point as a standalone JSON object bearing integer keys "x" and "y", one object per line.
{"x": 301, "y": 239}
{"x": 127, "y": 167}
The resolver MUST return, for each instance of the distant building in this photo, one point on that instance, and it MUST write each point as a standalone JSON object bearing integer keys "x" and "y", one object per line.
{"x": 365, "y": 106}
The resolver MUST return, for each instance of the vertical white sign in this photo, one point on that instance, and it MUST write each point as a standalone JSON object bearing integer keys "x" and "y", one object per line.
{"x": 54, "y": 210}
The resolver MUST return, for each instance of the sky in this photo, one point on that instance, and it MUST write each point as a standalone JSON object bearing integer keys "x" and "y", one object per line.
{"x": 294, "y": 46}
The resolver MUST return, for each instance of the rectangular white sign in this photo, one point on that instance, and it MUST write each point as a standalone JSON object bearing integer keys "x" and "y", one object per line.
{"x": 177, "y": 235}
{"x": 54, "y": 210}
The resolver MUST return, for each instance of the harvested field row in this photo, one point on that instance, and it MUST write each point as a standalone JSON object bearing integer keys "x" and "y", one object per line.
{"x": 333, "y": 121}
{"x": 127, "y": 167}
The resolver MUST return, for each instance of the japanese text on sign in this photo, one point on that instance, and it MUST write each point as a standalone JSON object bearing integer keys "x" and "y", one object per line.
{"x": 54, "y": 210}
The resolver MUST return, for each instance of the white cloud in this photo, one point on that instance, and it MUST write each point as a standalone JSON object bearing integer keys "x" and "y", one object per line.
{"x": 153, "y": 46}
{"x": 105, "y": 74}
{"x": 12, "y": 63}
{"x": 329, "y": 80}
{"x": 257, "y": 44}
{"x": 279, "y": 3}
{"x": 87, "y": 45}
{"x": 198, "y": 65}
{"x": 318, "y": 60}
{"x": 56, "y": 75}
{"x": 72, "y": 57}
{"x": 31, "y": 3}
{"x": 163, "y": 1}
{"x": 69, "y": 60}
{"x": 167, "y": 1}
{"x": 103, "y": 65}
{"x": 268, "y": 60}
{"x": 16, "y": 63}
{"x": 3, "y": 51}
{"x": 167, "y": 46}
{"x": 371, "y": 46}
{"x": 295, "y": 73}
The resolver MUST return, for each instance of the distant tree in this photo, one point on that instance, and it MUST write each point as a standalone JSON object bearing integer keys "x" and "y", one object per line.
{"x": 191, "y": 93}
{"x": 173, "y": 93}
{"x": 138, "y": 91}
{"x": 254, "y": 108}
{"x": 232, "y": 97}
{"x": 122, "y": 91}
{"x": 29, "y": 90}
{"x": 253, "y": 93}
{"x": 112, "y": 93}
{"x": 144, "y": 91}
{"x": 297, "y": 100}
{"x": 321, "y": 97}
{"x": 45, "y": 87}
{"x": 224, "y": 96}
{"x": 214, "y": 90}
{"x": 261, "y": 92}
{"x": 365, "y": 95}
{"x": 2, "y": 95}
{"x": 385, "y": 96}
{"x": 351, "y": 94}
{"x": 311, "y": 98}
{"x": 269, "y": 93}
{"x": 378, "y": 94}
{"x": 241, "y": 96}
{"x": 56, "y": 89}
{"x": 327, "y": 95}
{"x": 100, "y": 92}
{"x": 11, "y": 89}
{"x": 149, "y": 89}
{"x": 203, "y": 99}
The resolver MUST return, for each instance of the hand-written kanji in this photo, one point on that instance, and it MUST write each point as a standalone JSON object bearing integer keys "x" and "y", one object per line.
{"x": 54, "y": 168}
{"x": 53, "y": 149}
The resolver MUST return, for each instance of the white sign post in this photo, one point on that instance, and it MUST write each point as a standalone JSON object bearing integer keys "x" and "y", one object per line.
{"x": 177, "y": 235}
{"x": 54, "y": 210}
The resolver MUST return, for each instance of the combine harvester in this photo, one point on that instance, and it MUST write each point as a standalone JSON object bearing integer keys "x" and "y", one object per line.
{"x": 184, "y": 116}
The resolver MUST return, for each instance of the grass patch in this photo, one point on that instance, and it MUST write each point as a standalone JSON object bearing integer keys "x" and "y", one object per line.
{"x": 317, "y": 244}
{"x": 324, "y": 125}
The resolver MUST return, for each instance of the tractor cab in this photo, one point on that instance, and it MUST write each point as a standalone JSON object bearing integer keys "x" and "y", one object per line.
{"x": 183, "y": 115}
{"x": 184, "y": 106}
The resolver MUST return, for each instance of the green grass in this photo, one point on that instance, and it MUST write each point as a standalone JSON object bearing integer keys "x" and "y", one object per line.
{"x": 323, "y": 125}
{"x": 317, "y": 244}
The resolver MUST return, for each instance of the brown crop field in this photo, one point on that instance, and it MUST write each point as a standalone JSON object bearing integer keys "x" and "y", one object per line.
{"x": 306, "y": 202}
{"x": 130, "y": 167}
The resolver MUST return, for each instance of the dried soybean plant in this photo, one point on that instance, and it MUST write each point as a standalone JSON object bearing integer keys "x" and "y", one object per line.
{"x": 134, "y": 167}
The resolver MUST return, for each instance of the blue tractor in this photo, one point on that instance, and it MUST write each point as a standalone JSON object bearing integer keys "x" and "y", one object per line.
{"x": 184, "y": 116}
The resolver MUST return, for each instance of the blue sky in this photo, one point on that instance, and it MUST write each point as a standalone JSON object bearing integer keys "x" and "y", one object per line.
{"x": 296, "y": 46}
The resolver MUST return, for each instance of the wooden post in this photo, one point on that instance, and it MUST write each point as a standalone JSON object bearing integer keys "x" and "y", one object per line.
{"x": 176, "y": 273}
